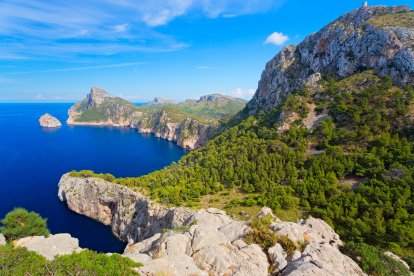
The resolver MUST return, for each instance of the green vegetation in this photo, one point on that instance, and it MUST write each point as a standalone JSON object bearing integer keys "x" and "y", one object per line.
{"x": 92, "y": 115}
{"x": 261, "y": 233}
{"x": 369, "y": 137}
{"x": 373, "y": 261}
{"x": 19, "y": 261}
{"x": 20, "y": 223}
{"x": 87, "y": 173}
{"x": 401, "y": 19}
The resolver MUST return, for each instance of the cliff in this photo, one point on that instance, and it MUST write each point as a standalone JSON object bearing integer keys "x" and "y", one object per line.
{"x": 190, "y": 123}
{"x": 378, "y": 38}
{"x": 203, "y": 242}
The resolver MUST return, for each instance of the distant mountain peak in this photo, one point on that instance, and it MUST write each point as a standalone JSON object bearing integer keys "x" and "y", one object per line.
{"x": 97, "y": 96}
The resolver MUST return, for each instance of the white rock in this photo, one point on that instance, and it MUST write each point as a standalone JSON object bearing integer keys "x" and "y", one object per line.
{"x": 235, "y": 230}
{"x": 207, "y": 236}
{"x": 322, "y": 259}
{"x": 277, "y": 257}
{"x": 397, "y": 258}
{"x": 2, "y": 240}
{"x": 180, "y": 265}
{"x": 54, "y": 245}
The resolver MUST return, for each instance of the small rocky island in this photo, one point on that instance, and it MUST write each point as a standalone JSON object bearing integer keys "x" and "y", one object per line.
{"x": 49, "y": 121}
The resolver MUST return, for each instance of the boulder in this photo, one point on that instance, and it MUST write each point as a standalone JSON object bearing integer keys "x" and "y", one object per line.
{"x": 322, "y": 259}
{"x": 182, "y": 265}
{"x": 277, "y": 257}
{"x": 52, "y": 246}
{"x": 49, "y": 121}
{"x": 309, "y": 230}
{"x": 2, "y": 240}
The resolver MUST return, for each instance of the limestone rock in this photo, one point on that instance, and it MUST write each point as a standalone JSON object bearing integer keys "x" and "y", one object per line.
{"x": 2, "y": 240}
{"x": 397, "y": 258}
{"x": 182, "y": 265}
{"x": 52, "y": 246}
{"x": 49, "y": 121}
{"x": 322, "y": 259}
{"x": 208, "y": 242}
{"x": 342, "y": 48}
{"x": 309, "y": 230}
{"x": 278, "y": 257}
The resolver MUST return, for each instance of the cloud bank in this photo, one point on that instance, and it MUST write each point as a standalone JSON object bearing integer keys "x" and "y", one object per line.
{"x": 276, "y": 38}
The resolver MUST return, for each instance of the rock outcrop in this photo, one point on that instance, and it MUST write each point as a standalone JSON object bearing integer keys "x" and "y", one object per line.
{"x": 2, "y": 240}
{"x": 161, "y": 118}
{"x": 50, "y": 247}
{"x": 49, "y": 121}
{"x": 351, "y": 44}
{"x": 180, "y": 241}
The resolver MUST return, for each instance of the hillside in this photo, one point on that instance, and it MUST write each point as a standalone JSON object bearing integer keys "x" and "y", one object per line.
{"x": 190, "y": 123}
{"x": 328, "y": 133}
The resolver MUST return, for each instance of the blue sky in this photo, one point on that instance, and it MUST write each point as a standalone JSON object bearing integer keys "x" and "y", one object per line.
{"x": 55, "y": 50}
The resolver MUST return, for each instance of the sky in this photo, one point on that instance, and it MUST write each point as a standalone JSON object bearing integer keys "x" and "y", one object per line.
{"x": 56, "y": 50}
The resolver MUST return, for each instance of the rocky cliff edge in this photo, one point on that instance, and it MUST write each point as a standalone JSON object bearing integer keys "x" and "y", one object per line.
{"x": 180, "y": 241}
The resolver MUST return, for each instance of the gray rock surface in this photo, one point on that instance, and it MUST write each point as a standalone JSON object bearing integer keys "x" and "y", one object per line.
{"x": 49, "y": 121}
{"x": 52, "y": 246}
{"x": 342, "y": 48}
{"x": 207, "y": 242}
{"x": 2, "y": 240}
{"x": 397, "y": 258}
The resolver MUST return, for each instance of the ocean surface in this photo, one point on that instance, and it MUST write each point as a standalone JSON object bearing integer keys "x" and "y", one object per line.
{"x": 32, "y": 160}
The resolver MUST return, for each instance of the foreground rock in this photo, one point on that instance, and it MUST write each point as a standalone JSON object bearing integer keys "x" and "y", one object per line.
{"x": 2, "y": 240}
{"x": 179, "y": 241}
{"x": 50, "y": 247}
{"x": 49, "y": 121}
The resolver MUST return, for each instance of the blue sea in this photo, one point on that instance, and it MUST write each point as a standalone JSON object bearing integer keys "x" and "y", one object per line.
{"x": 33, "y": 159}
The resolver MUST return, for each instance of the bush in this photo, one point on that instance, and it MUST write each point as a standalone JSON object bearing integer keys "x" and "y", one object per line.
{"x": 20, "y": 261}
{"x": 20, "y": 223}
{"x": 373, "y": 261}
{"x": 261, "y": 233}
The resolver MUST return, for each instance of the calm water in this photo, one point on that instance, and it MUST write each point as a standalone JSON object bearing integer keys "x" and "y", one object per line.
{"x": 33, "y": 159}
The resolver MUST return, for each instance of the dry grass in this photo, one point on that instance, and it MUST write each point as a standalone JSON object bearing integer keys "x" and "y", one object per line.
{"x": 401, "y": 19}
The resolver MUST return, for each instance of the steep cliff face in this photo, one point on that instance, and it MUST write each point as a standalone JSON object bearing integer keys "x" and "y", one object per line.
{"x": 374, "y": 38}
{"x": 99, "y": 108}
{"x": 203, "y": 242}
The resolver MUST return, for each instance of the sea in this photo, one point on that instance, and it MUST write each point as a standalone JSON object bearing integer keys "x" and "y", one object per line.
{"x": 32, "y": 160}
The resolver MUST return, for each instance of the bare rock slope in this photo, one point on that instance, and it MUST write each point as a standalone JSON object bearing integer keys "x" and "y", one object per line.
{"x": 180, "y": 241}
{"x": 367, "y": 38}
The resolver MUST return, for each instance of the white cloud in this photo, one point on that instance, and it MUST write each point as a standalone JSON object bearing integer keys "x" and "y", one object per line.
{"x": 205, "y": 67}
{"x": 84, "y": 68}
{"x": 121, "y": 28}
{"x": 276, "y": 38}
{"x": 39, "y": 97}
{"x": 240, "y": 93}
{"x": 65, "y": 29}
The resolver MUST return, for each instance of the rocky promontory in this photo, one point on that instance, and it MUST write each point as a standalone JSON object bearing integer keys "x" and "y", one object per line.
{"x": 49, "y": 121}
{"x": 189, "y": 124}
{"x": 181, "y": 241}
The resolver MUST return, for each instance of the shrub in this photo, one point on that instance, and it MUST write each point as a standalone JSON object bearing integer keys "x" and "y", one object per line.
{"x": 373, "y": 261}
{"x": 261, "y": 233}
{"x": 20, "y": 261}
{"x": 20, "y": 223}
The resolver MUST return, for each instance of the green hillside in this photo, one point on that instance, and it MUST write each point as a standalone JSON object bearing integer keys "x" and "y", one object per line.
{"x": 354, "y": 170}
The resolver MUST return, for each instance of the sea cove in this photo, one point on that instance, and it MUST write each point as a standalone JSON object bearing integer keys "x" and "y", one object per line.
{"x": 33, "y": 159}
